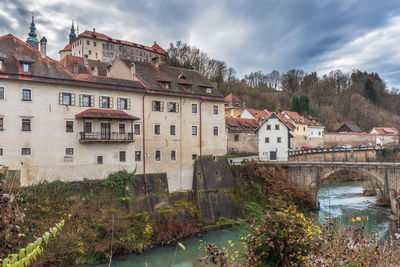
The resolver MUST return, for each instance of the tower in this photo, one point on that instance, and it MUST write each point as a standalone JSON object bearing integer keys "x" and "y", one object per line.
{"x": 72, "y": 34}
{"x": 32, "y": 39}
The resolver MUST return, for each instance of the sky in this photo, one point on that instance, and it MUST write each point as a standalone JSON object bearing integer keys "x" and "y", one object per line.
{"x": 249, "y": 35}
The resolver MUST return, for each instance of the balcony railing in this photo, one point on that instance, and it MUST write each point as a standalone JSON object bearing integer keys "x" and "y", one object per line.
{"x": 105, "y": 137}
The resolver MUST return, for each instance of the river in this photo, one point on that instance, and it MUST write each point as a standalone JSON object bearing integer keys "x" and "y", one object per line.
{"x": 342, "y": 201}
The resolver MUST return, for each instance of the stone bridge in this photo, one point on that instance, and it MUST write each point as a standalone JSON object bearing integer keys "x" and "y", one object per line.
{"x": 309, "y": 176}
{"x": 329, "y": 154}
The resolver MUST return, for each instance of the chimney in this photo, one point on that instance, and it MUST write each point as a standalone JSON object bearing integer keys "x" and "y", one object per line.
{"x": 86, "y": 60}
{"x": 74, "y": 66}
{"x": 94, "y": 30}
{"x": 133, "y": 69}
{"x": 155, "y": 62}
{"x": 43, "y": 43}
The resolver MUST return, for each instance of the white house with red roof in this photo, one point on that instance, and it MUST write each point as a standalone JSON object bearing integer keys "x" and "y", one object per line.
{"x": 273, "y": 139}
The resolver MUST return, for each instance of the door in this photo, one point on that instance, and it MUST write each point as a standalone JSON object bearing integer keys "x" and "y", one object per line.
{"x": 105, "y": 131}
{"x": 272, "y": 155}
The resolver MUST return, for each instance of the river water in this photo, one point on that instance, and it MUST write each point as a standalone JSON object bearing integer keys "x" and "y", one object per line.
{"x": 342, "y": 201}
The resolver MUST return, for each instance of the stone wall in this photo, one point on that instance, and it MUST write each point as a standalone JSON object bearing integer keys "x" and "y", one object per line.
{"x": 335, "y": 156}
{"x": 247, "y": 143}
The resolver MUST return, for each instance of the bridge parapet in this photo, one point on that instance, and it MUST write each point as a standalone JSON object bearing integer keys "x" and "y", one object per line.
{"x": 329, "y": 154}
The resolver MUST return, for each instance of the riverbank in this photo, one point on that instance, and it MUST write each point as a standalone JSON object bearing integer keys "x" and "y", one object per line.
{"x": 101, "y": 218}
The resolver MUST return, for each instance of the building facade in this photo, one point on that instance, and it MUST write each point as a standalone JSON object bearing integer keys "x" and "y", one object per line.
{"x": 234, "y": 106}
{"x": 241, "y": 136}
{"x": 273, "y": 139}
{"x": 70, "y": 120}
{"x": 98, "y": 46}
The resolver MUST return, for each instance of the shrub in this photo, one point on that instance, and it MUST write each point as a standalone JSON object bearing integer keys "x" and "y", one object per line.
{"x": 283, "y": 238}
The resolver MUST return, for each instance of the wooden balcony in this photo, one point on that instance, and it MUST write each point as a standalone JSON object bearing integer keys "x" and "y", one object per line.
{"x": 98, "y": 137}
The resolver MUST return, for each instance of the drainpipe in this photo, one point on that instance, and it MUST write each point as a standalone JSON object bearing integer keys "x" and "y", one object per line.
{"x": 144, "y": 149}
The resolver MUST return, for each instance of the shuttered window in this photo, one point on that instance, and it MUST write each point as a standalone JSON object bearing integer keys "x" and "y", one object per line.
{"x": 67, "y": 99}
{"x": 105, "y": 102}
{"x": 86, "y": 100}
{"x": 158, "y": 106}
{"x": 172, "y": 107}
{"x": 124, "y": 103}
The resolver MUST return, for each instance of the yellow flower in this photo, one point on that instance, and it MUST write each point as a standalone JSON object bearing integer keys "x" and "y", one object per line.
{"x": 181, "y": 245}
{"x": 358, "y": 219}
{"x": 353, "y": 220}
{"x": 367, "y": 219}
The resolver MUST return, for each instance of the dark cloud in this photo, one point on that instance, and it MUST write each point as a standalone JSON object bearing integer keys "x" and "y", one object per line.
{"x": 248, "y": 35}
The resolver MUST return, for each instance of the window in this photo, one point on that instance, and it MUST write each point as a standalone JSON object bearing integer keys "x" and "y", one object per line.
{"x": 236, "y": 137}
{"x": 166, "y": 85}
{"x": 194, "y": 108}
{"x": 122, "y": 156}
{"x": 99, "y": 159}
{"x": 215, "y": 110}
{"x": 277, "y": 127}
{"x": 86, "y": 101}
{"x": 268, "y": 127}
{"x": 158, "y": 105}
{"x": 173, "y": 154}
{"x": 172, "y": 130}
{"x": 157, "y": 129}
{"x": 266, "y": 139}
{"x": 26, "y": 67}
{"x": 123, "y": 103}
{"x": 215, "y": 130}
{"x": 90, "y": 52}
{"x": 319, "y": 133}
{"x": 172, "y": 107}
{"x": 1, "y": 124}
{"x": 105, "y": 102}
{"x": 304, "y": 129}
{"x": 69, "y": 126}
{"x": 278, "y": 139}
{"x": 26, "y": 151}
{"x": 194, "y": 156}
{"x": 157, "y": 155}
{"x": 194, "y": 130}
{"x": 94, "y": 43}
{"x": 1, "y": 152}
{"x": 121, "y": 128}
{"x": 297, "y": 128}
{"x": 69, "y": 151}
{"x": 1, "y": 64}
{"x": 138, "y": 155}
{"x": 208, "y": 90}
{"x": 66, "y": 99}
{"x": 26, "y": 124}
{"x": 87, "y": 127}
{"x": 87, "y": 42}
{"x": 26, "y": 94}
{"x": 1, "y": 92}
{"x": 136, "y": 129}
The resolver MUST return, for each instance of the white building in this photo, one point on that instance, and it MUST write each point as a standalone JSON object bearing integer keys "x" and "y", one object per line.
{"x": 315, "y": 129}
{"x": 273, "y": 139}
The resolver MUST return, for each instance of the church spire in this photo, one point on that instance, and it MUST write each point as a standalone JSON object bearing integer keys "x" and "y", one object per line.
{"x": 72, "y": 35}
{"x": 32, "y": 39}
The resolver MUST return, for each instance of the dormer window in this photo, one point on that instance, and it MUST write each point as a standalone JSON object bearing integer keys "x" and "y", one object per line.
{"x": 26, "y": 67}
{"x": 1, "y": 64}
{"x": 187, "y": 87}
{"x": 181, "y": 76}
{"x": 208, "y": 90}
{"x": 166, "y": 85}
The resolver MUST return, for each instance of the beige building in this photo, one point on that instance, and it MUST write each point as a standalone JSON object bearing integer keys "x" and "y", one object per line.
{"x": 98, "y": 46}
{"x": 73, "y": 119}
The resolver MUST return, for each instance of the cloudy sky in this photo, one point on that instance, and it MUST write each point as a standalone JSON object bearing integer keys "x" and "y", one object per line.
{"x": 314, "y": 35}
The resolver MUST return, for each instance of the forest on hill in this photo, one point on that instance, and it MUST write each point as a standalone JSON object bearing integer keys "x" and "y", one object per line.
{"x": 335, "y": 98}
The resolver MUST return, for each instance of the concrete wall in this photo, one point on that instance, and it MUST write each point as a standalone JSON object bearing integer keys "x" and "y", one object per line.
{"x": 265, "y": 148}
{"x": 247, "y": 143}
{"x": 49, "y": 140}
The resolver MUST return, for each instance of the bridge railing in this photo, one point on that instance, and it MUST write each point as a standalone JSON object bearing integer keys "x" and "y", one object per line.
{"x": 313, "y": 150}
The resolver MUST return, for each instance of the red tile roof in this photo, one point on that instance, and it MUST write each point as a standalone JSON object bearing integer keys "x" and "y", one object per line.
{"x": 94, "y": 113}
{"x": 68, "y": 47}
{"x": 386, "y": 130}
{"x": 101, "y": 36}
{"x": 69, "y": 61}
{"x": 258, "y": 114}
{"x": 287, "y": 121}
{"x": 232, "y": 100}
{"x": 240, "y": 124}
{"x": 294, "y": 115}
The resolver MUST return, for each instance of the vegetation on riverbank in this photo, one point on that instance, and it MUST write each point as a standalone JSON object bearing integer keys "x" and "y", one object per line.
{"x": 99, "y": 219}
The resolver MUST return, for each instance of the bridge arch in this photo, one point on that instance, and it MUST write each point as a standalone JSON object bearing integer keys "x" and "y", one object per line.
{"x": 309, "y": 178}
